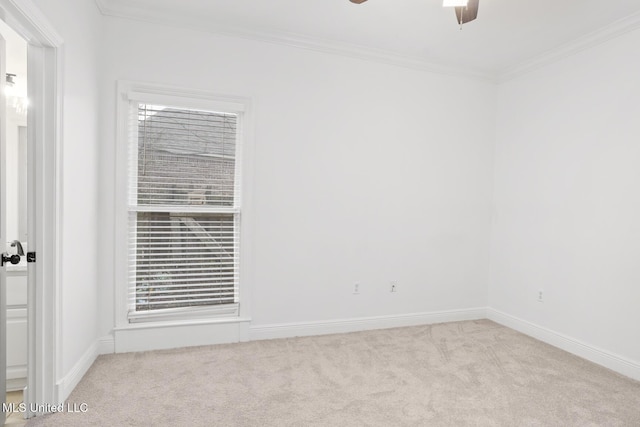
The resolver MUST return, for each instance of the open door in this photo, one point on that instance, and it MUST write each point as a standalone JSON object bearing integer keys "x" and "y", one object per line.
{"x": 3, "y": 238}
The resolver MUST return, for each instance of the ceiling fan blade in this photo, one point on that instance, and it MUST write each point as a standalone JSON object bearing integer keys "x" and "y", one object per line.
{"x": 468, "y": 13}
{"x": 357, "y": 1}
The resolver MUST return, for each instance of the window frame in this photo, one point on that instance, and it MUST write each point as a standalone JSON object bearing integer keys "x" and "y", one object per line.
{"x": 129, "y": 92}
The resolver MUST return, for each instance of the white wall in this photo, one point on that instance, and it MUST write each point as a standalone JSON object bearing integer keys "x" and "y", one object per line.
{"x": 364, "y": 172}
{"x": 567, "y": 199}
{"x": 79, "y": 24}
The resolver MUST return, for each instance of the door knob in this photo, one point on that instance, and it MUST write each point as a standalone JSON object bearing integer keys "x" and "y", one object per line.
{"x": 13, "y": 259}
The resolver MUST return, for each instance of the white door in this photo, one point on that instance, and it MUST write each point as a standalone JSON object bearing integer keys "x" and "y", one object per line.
{"x": 3, "y": 237}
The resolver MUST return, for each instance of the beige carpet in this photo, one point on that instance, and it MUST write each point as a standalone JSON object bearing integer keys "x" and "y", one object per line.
{"x": 474, "y": 373}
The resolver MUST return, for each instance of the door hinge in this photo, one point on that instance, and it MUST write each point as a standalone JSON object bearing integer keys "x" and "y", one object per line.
{"x": 31, "y": 257}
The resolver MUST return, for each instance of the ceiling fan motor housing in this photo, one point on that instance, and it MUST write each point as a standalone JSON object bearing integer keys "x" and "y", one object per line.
{"x": 464, "y": 14}
{"x": 467, "y": 13}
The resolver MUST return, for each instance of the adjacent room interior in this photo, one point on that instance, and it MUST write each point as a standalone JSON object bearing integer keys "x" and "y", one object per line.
{"x": 347, "y": 183}
{"x": 15, "y": 177}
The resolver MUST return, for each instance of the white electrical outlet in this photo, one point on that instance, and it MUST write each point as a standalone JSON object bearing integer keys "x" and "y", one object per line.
{"x": 540, "y": 295}
{"x": 393, "y": 287}
{"x": 356, "y": 288}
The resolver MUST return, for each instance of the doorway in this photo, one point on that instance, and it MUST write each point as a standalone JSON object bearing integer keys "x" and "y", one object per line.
{"x": 15, "y": 241}
{"x": 43, "y": 135}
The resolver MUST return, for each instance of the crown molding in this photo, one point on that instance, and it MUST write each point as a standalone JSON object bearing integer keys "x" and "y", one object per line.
{"x": 123, "y": 9}
{"x": 120, "y": 9}
{"x": 616, "y": 29}
{"x": 31, "y": 20}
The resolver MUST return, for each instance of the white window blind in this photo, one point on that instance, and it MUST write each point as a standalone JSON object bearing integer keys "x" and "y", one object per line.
{"x": 183, "y": 209}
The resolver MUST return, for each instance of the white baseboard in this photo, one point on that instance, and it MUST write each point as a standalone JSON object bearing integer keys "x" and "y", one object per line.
{"x": 66, "y": 385}
{"x": 106, "y": 345}
{"x": 596, "y": 355}
{"x": 289, "y": 330}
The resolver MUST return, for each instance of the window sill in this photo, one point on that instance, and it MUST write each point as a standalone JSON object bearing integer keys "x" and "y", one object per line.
{"x": 209, "y": 313}
{"x": 156, "y": 324}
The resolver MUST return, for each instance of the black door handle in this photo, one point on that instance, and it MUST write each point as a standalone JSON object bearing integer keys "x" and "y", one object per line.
{"x": 16, "y": 244}
{"x": 13, "y": 259}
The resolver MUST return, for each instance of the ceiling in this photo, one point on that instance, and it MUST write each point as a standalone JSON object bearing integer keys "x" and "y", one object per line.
{"x": 507, "y": 33}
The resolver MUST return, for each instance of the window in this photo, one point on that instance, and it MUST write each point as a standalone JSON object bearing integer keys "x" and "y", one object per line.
{"x": 183, "y": 210}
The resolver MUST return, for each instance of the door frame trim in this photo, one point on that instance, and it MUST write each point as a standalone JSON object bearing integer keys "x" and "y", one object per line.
{"x": 45, "y": 77}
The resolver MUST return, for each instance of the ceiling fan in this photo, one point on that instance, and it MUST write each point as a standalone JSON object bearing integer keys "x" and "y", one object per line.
{"x": 466, "y": 10}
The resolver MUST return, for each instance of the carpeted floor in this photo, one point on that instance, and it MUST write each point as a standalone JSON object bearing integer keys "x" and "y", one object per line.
{"x": 474, "y": 373}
